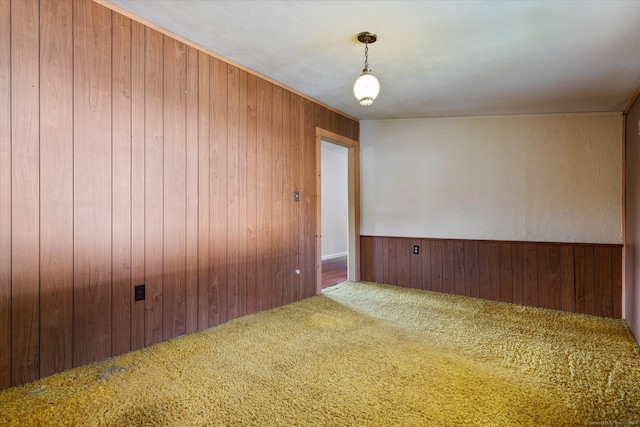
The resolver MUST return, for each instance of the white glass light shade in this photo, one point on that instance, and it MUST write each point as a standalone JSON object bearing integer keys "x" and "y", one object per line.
{"x": 366, "y": 88}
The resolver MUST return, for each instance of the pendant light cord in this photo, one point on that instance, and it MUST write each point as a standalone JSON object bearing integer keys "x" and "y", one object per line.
{"x": 366, "y": 55}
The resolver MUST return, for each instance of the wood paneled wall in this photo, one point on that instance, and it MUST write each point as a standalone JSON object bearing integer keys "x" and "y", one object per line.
{"x": 631, "y": 216}
{"x": 127, "y": 157}
{"x": 574, "y": 277}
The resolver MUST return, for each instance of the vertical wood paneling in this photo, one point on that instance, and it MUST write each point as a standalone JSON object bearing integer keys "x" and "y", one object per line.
{"x": 174, "y": 189}
{"x": 204, "y": 134}
{"x": 308, "y": 198}
{"x": 154, "y": 203}
{"x": 309, "y": 202}
{"x": 191, "y": 286}
{"x": 425, "y": 250}
{"x": 400, "y": 264}
{"x": 92, "y": 183}
{"x": 384, "y": 260}
{"x": 264, "y": 194}
{"x": 416, "y": 263}
{"x": 121, "y": 172}
{"x": 489, "y": 271}
{"x": 436, "y": 265}
{"x": 631, "y": 225}
{"x": 137, "y": 180}
{"x": 322, "y": 121}
{"x": 488, "y": 258}
{"x": 242, "y": 193}
{"x": 129, "y": 158}
{"x": 448, "y": 267}
{"x": 529, "y": 273}
{"x": 366, "y": 249}
{"x": 218, "y": 189}
{"x": 459, "y": 270}
{"x": 233, "y": 191}
{"x": 378, "y": 261}
{"x": 392, "y": 262}
{"x": 277, "y": 273}
{"x": 506, "y": 273}
{"x": 302, "y": 204}
{"x": 567, "y": 281}
{"x": 585, "y": 280}
{"x": 603, "y": 281}
{"x": 5, "y": 193}
{"x": 616, "y": 260}
{"x": 294, "y": 180}
{"x": 252, "y": 195}
{"x": 549, "y": 275}
{"x": 472, "y": 278}
{"x": 25, "y": 192}
{"x": 518, "y": 278}
{"x": 56, "y": 187}
{"x": 404, "y": 262}
{"x": 289, "y": 252}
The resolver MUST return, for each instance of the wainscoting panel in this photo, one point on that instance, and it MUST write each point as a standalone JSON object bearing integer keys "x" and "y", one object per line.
{"x": 574, "y": 277}
{"x": 128, "y": 157}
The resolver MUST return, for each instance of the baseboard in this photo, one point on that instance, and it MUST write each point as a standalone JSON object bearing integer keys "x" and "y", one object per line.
{"x": 332, "y": 256}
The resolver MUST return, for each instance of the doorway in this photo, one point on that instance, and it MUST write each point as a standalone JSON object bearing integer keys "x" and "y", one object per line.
{"x": 335, "y": 213}
{"x": 347, "y": 149}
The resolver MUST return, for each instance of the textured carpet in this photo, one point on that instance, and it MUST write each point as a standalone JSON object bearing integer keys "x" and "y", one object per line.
{"x": 361, "y": 354}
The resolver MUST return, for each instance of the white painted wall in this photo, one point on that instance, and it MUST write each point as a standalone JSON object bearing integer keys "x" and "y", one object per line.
{"x": 335, "y": 199}
{"x": 554, "y": 178}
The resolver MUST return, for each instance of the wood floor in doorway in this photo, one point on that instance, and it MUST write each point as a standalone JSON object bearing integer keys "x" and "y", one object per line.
{"x": 334, "y": 271}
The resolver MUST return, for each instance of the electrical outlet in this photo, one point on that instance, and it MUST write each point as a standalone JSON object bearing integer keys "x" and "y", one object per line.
{"x": 138, "y": 293}
{"x": 416, "y": 249}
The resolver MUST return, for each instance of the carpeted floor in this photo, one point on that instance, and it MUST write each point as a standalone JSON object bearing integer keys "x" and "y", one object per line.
{"x": 361, "y": 354}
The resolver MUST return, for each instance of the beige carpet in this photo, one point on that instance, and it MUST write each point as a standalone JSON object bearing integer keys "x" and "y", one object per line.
{"x": 361, "y": 354}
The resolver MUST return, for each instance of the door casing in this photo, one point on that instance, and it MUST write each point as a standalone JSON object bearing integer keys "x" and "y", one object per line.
{"x": 353, "y": 178}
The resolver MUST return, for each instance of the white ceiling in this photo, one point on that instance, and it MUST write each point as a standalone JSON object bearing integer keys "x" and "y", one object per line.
{"x": 432, "y": 58}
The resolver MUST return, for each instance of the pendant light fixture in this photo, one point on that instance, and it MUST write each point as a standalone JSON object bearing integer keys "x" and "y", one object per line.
{"x": 366, "y": 87}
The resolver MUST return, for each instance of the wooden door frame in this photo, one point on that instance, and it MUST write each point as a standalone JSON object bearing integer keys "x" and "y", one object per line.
{"x": 353, "y": 178}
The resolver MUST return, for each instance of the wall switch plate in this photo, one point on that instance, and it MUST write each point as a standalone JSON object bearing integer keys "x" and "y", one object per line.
{"x": 138, "y": 293}
{"x": 416, "y": 249}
